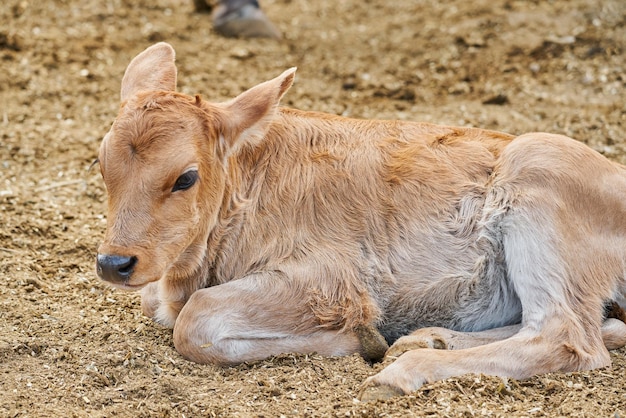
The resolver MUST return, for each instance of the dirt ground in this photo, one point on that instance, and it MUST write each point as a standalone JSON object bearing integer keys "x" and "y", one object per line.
{"x": 72, "y": 347}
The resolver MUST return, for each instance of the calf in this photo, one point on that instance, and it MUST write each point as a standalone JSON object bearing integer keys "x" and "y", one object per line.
{"x": 254, "y": 230}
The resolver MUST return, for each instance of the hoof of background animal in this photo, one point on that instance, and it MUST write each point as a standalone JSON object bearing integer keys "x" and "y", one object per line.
{"x": 379, "y": 392}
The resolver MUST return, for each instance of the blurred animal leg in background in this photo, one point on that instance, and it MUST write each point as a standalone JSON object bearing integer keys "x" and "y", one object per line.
{"x": 239, "y": 19}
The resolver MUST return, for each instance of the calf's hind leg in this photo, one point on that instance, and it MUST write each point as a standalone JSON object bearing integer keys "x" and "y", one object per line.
{"x": 613, "y": 335}
{"x": 520, "y": 356}
{"x": 260, "y": 316}
{"x": 446, "y": 339}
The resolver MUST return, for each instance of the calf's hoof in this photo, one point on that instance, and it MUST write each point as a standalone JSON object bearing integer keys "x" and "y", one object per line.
{"x": 373, "y": 344}
{"x": 415, "y": 342}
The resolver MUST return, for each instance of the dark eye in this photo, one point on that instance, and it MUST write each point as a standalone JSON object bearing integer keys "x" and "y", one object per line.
{"x": 186, "y": 180}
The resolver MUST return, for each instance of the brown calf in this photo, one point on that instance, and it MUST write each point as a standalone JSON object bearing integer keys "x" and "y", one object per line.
{"x": 254, "y": 230}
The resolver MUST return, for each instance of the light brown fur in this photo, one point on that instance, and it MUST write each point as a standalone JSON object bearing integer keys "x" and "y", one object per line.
{"x": 311, "y": 232}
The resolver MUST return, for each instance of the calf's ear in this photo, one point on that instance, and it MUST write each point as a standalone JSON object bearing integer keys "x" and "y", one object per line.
{"x": 153, "y": 69}
{"x": 248, "y": 116}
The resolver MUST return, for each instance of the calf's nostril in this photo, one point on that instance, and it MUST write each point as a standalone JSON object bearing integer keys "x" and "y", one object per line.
{"x": 127, "y": 266}
{"x": 115, "y": 268}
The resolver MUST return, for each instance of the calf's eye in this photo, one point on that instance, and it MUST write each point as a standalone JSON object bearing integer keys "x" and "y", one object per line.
{"x": 186, "y": 180}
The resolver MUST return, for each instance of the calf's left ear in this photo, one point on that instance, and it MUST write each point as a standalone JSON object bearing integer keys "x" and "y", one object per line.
{"x": 248, "y": 116}
{"x": 151, "y": 70}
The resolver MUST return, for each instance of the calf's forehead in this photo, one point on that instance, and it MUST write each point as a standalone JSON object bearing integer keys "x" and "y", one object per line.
{"x": 148, "y": 130}
{"x": 148, "y": 144}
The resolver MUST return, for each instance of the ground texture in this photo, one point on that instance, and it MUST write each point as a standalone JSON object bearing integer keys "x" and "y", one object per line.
{"x": 71, "y": 346}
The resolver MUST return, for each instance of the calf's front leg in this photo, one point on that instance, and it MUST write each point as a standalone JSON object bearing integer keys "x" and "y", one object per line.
{"x": 162, "y": 302}
{"x": 150, "y": 299}
{"x": 259, "y": 316}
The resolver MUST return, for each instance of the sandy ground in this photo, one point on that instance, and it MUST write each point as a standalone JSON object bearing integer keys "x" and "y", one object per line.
{"x": 72, "y": 347}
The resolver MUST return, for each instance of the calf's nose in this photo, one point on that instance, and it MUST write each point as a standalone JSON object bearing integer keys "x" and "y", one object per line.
{"x": 115, "y": 268}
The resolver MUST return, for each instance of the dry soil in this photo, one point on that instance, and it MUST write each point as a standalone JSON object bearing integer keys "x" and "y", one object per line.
{"x": 72, "y": 347}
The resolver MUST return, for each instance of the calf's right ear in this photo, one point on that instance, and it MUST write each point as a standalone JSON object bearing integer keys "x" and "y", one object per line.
{"x": 151, "y": 70}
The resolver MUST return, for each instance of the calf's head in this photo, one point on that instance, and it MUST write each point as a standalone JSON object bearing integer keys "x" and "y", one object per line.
{"x": 164, "y": 163}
